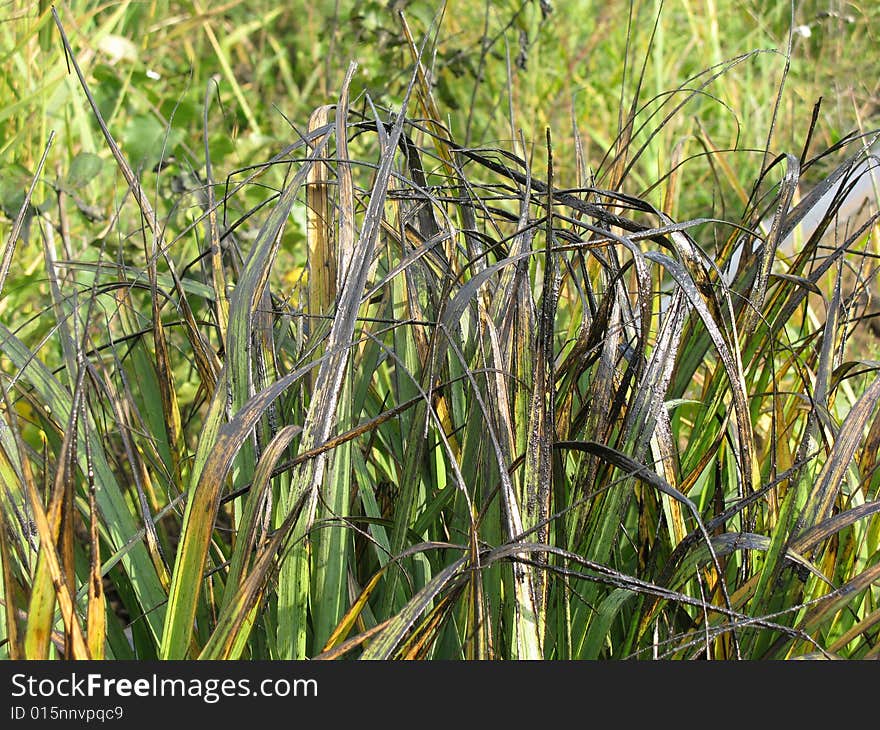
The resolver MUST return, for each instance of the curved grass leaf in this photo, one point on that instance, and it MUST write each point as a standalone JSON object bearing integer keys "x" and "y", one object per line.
{"x": 386, "y": 642}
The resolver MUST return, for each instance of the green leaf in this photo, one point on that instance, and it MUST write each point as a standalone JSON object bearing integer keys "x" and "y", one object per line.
{"x": 143, "y": 141}
{"x": 86, "y": 166}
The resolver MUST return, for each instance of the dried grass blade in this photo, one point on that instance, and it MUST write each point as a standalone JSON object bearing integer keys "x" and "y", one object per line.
{"x": 55, "y": 543}
{"x": 345, "y": 242}
{"x": 237, "y": 618}
{"x": 44, "y": 594}
{"x": 322, "y": 411}
{"x": 384, "y": 645}
{"x": 340, "y": 633}
{"x": 96, "y": 612}
{"x": 330, "y": 551}
{"x": 426, "y": 100}
{"x": 205, "y": 360}
{"x": 811, "y": 537}
{"x": 528, "y": 631}
{"x": 732, "y": 365}
{"x": 9, "y": 249}
{"x": 218, "y": 453}
{"x": 822, "y": 497}
{"x": 537, "y": 485}
{"x": 10, "y": 591}
{"x": 218, "y": 272}
{"x": 839, "y": 599}
{"x": 246, "y": 539}
{"x": 116, "y": 516}
{"x": 788, "y": 187}
{"x": 319, "y": 232}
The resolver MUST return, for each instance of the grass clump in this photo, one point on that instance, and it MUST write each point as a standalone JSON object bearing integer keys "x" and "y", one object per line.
{"x": 393, "y": 394}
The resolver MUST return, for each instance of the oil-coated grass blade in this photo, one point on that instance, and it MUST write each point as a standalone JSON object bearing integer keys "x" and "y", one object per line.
{"x": 386, "y": 642}
{"x": 201, "y": 511}
{"x": 322, "y": 409}
{"x": 117, "y": 521}
{"x": 830, "y": 479}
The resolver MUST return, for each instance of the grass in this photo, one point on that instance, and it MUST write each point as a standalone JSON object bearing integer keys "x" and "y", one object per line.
{"x": 418, "y": 373}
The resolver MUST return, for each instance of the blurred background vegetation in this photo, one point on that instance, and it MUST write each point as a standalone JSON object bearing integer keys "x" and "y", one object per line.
{"x": 497, "y": 68}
